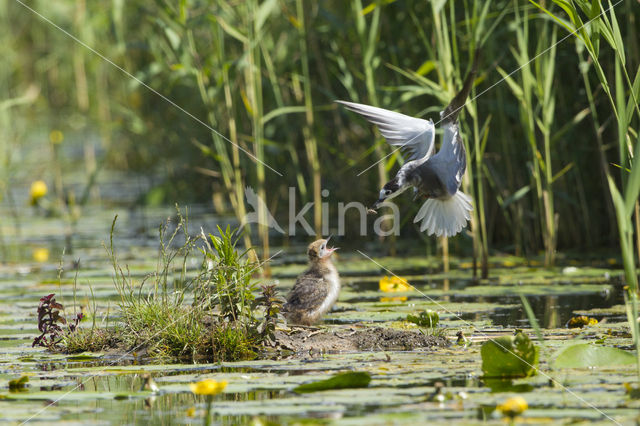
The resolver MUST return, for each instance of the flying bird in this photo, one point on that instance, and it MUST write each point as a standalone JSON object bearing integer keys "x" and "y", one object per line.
{"x": 436, "y": 177}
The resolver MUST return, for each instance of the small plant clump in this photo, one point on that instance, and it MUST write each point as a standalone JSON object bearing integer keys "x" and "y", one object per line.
{"x": 208, "y": 313}
{"x": 53, "y": 326}
{"x": 426, "y": 318}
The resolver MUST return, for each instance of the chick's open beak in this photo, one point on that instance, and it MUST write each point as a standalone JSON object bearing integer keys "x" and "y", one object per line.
{"x": 328, "y": 250}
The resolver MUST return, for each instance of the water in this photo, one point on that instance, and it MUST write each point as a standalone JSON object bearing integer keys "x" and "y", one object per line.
{"x": 105, "y": 388}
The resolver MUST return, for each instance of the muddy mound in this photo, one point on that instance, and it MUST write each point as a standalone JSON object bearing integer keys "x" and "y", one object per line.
{"x": 332, "y": 340}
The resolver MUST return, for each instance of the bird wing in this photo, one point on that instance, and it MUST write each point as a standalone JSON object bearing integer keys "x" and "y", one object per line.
{"x": 308, "y": 291}
{"x": 452, "y": 159}
{"x": 451, "y": 112}
{"x": 450, "y": 162}
{"x": 414, "y": 135}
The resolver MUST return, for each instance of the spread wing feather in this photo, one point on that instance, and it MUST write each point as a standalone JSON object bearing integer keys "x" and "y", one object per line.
{"x": 414, "y": 135}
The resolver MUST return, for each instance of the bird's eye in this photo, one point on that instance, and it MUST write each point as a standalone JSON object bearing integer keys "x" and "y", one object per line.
{"x": 322, "y": 247}
{"x": 387, "y": 192}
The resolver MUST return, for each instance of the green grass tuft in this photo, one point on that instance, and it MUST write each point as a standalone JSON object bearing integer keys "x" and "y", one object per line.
{"x": 207, "y": 313}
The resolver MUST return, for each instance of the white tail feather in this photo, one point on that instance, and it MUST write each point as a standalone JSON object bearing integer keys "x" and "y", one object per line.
{"x": 445, "y": 217}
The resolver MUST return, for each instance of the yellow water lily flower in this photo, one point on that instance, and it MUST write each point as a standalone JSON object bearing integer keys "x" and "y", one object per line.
{"x": 38, "y": 190}
{"x": 392, "y": 284}
{"x": 513, "y": 406}
{"x": 41, "y": 254}
{"x": 207, "y": 387}
{"x": 581, "y": 321}
{"x": 56, "y": 136}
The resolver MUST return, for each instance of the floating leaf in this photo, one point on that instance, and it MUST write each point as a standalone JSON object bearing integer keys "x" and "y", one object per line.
{"x": 339, "y": 381}
{"x": 509, "y": 356}
{"x": 393, "y": 299}
{"x": 506, "y": 385}
{"x": 18, "y": 385}
{"x": 589, "y": 355}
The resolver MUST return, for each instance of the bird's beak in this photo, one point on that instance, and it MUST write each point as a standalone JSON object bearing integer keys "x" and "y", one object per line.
{"x": 329, "y": 250}
{"x": 377, "y": 203}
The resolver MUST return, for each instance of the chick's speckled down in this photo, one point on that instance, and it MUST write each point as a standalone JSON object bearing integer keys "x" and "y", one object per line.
{"x": 316, "y": 290}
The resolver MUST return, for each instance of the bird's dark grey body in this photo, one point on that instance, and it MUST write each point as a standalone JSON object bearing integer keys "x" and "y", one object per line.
{"x": 315, "y": 291}
{"x": 426, "y": 182}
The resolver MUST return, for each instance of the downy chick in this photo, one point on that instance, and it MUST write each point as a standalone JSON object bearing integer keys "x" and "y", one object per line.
{"x": 316, "y": 290}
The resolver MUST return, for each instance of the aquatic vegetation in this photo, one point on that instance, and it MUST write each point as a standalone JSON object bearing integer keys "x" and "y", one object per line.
{"x": 206, "y": 312}
{"x": 264, "y": 74}
{"x": 427, "y": 318}
{"x": 509, "y": 356}
{"x": 586, "y": 355}
{"x": 52, "y": 324}
{"x": 19, "y": 385}
{"x": 228, "y": 281}
{"x": 91, "y": 339}
{"x": 272, "y": 304}
{"x": 348, "y": 380}
{"x": 624, "y": 101}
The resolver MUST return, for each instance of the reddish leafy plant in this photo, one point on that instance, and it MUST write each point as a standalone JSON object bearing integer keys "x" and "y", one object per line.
{"x": 51, "y": 322}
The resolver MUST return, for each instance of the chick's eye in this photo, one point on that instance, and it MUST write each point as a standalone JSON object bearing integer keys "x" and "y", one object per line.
{"x": 387, "y": 191}
{"x": 322, "y": 247}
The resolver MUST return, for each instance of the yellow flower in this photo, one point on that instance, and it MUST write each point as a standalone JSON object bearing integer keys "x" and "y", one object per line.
{"x": 393, "y": 284}
{"x": 191, "y": 411}
{"x": 581, "y": 321}
{"x": 41, "y": 254}
{"x": 513, "y": 406}
{"x": 207, "y": 387}
{"x": 56, "y": 136}
{"x": 38, "y": 190}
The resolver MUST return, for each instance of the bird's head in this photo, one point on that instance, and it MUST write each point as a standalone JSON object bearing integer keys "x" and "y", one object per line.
{"x": 388, "y": 191}
{"x": 319, "y": 249}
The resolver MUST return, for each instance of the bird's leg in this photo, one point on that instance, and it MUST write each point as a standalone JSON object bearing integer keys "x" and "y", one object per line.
{"x": 417, "y": 194}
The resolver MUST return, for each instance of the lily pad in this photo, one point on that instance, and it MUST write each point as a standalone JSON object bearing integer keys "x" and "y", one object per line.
{"x": 509, "y": 356}
{"x": 590, "y": 355}
{"x": 339, "y": 381}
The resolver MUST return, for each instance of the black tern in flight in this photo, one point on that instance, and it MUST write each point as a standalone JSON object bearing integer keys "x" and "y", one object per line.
{"x": 436, "y": 177}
